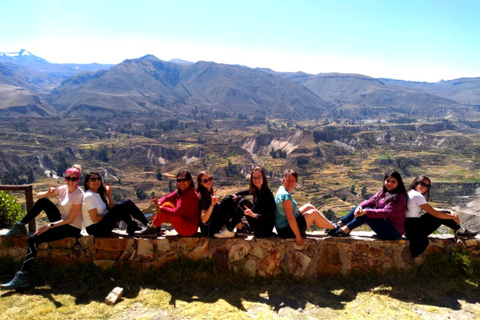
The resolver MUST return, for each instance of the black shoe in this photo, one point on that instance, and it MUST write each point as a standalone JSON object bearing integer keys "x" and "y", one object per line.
{"x": 245, "y": 230}
{"x": 148, "y": 231}
{"x": 464, "y": 233}
{"x": 338, "y": 233}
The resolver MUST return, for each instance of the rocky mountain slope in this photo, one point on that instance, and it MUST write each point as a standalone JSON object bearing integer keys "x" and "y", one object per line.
{"x": 150, "y": 85}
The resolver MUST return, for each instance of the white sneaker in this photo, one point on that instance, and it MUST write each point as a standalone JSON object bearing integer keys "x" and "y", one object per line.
{"x": 225, "y": 233}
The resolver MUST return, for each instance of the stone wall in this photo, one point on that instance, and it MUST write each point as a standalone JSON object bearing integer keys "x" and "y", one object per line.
{"x": 320, "y": 255}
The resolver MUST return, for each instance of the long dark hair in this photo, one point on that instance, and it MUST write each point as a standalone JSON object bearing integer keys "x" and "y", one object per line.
{"x": 400, "y": 189}
{"x": 101, "y": 189}
{"x": 417, "y": 180}
{"x": 189, "y": 178}
{"x": 252, "y": 188}
{"x": 200, "y": 187}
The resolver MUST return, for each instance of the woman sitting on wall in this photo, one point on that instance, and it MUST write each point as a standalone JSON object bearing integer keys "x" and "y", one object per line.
{"x": 180, "y": 208}
{"x": 213, "y": 214}
{"x": 100, "y": 214}
{"x": 260, "y": 215}
{"x": 419, "y": 226}
{"x": 290, "y": 222}
{"x": 384, "y": 212}
{"x": 65, "y": 221}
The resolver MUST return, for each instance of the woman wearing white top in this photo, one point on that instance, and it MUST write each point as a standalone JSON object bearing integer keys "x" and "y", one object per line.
{"x": 100, "y": 214}
{"x": 65, "y": 221}
{"x": 417, "y": 226}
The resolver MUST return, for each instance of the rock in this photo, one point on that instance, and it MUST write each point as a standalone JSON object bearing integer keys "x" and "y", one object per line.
{"x": 114, "y": 296}
{"x": 86, "y": 242}
{"x": 251, "y": 268}
{"x": 106, "y": 255}
{"x": 238, "y": 252}
{"x": 111, "y": 244}
{"x": 187, "y": 243}
{"x": 104, "y": 264}
{"x": 201, "y": 251}
{"x": 271, "y": 265}
{"x": 160, "y": 262}
{"x": 144, "y": 249}
{"x": 220, "y": 259}
{"x": 161, "y": 245}
{"x": 299, "y": 264}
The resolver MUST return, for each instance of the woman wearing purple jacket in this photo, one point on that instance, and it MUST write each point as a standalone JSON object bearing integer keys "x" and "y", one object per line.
{"x": 384, "y": 212}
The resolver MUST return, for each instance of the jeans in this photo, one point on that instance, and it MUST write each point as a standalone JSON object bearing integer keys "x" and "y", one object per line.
{"x": 381, "y": 226}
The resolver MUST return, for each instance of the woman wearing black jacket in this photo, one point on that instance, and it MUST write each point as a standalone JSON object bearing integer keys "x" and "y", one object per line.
{"x": 260, "y": 214}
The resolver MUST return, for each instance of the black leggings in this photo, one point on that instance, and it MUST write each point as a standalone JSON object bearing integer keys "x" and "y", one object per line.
{"x": 52, "y": 234}
{"x": 220, "y": 216}
{"x": 121, "y": 211}
{"x": 417, "y": 231}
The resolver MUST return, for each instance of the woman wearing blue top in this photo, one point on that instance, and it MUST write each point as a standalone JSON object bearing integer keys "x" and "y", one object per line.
{"x": 290, "y": 222}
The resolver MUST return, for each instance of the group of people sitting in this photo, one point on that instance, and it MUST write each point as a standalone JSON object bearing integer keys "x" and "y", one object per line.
{"x": 390, "y": 213}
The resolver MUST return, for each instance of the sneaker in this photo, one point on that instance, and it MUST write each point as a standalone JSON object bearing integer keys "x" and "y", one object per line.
{"x": 245, "y": 230}
{"x": 19, "y": 281}
{"x": 225, "y": 233}
{"x": 338, "y": 233}
{"x": 17, "y": 230}
{"x": 464, "y": 233}
{"x": 148, "y": 231}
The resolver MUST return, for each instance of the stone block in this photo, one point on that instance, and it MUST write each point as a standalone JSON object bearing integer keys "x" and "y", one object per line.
{"x": 201, "y": 251}
{"x": 114, "y": 296}
{"x": 106, "y": 255}
{"x": 111, "y": 244}
{"x": 63, "y": 243}
{"x": 238, "y": 252}
{"x": 298, "y": 264}
{"x": 187, "y": 243}
{"x": 251, "y": 268}
{"x": 257, "y": 251}
{"x": 470, "y": 243}
{"x": 87, "y": 241}
{"x": 271, "y": 264}
{"x": 161, "y": 245}
{"x": 59, "y": 251}
{"x": 329, "y": 262}
{"x": 104, "y": 264}
{"x": 144, "y": 249}
{"x": 163, "y": 260}
{"x": 17, "y": 242}
{"x": 126, "y": 255}
{"x": 220, "y": 259}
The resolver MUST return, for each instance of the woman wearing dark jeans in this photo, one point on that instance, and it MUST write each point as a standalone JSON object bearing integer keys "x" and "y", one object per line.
{"x": 384, "y": 212}
{"x": 65, "y": 221}
{"x": 101, "y": 215}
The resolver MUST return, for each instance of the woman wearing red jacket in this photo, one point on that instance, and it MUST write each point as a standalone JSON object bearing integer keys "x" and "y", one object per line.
{"x": 181, "y": 211}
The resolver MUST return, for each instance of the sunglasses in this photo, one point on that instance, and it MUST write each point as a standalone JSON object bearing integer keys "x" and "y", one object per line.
{"x": 183, "y": 179}
{"x": 208, "y": 179}
{"x": 74, "y": 179}
{"x": 423, "y": 184}
{"x": 93, "y": 179}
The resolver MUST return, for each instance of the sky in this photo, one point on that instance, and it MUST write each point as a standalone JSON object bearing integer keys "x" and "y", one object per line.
{"x": 409, "y": 40}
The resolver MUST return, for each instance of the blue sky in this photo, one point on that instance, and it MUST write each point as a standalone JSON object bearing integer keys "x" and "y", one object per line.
{"x": 410, "y": 40}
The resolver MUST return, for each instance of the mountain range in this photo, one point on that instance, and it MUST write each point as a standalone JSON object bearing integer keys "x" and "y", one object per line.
{"x": 31, "y": 86}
